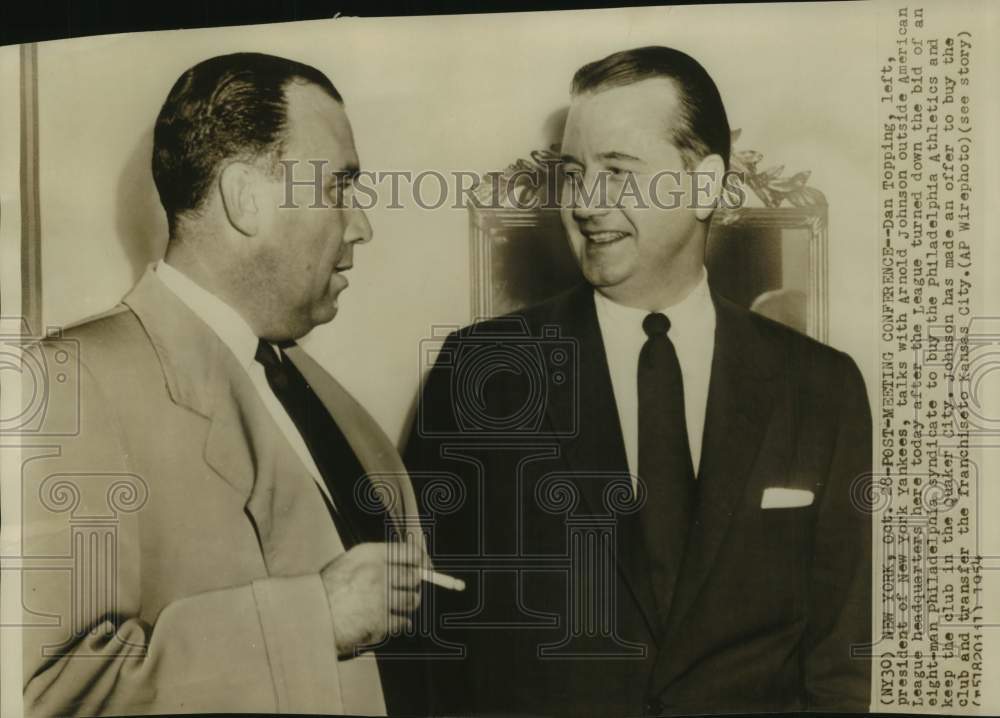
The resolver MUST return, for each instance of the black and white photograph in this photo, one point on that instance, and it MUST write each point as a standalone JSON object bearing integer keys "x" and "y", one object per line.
{"x": 600, "y": 362}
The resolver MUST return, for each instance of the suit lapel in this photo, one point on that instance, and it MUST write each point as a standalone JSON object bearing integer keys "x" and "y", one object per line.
{"x": 242, "y": 443}
{"x": 377, "y": 455}
{"x": 292, "y": 521}
{"x": 740, "y": 403}
{"x": 585, "y": 415}
{"x": 583, "y": 412}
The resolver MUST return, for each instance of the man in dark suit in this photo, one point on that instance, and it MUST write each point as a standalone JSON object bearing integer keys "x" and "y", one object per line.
{"x": 245, "y": 561}
{"x": 663, "y": 492}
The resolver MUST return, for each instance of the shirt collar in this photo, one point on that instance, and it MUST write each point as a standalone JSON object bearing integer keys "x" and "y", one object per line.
{"x": 691, "y": 316}
{"x": 225, "y": 321}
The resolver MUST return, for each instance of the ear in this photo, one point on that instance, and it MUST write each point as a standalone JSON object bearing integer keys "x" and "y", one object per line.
{"x": 238, "y": 186}
{"x": 708, "y": 178}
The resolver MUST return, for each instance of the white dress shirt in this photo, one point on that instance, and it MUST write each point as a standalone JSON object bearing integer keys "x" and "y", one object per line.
{"x": 692, "y": 331}
{"x": 236, "y": 334}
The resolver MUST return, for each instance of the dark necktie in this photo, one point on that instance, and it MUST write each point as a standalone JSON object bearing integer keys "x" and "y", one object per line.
{"x": 333, "y": 455}
{"x": 664, "y": 459}
{"x": 403, "y": 683}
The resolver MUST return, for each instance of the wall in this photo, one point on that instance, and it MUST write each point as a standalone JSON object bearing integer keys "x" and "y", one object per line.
{"x": 440, "y": 93}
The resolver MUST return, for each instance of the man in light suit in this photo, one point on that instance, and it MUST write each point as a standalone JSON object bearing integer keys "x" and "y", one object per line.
{"x": 232, "y": 520}
{"x": 730, "y": 453}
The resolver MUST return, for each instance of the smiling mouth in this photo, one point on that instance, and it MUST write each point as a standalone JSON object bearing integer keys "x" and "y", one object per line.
{"x": 606, "y": 237}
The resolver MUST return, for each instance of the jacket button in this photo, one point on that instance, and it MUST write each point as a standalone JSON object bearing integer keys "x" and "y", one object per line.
{"x": 654, "y": 707}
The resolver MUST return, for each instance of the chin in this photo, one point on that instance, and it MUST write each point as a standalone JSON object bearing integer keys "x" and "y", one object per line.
{"x": 604, "y": 276}
{"x": 325, "y": 314}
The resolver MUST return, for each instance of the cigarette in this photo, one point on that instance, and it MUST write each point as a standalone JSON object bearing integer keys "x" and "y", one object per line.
{"x": 443, "y": 580}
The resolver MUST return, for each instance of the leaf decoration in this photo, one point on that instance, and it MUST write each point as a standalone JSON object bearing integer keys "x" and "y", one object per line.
{"x": 770, "y": 187}
{"x": 524, "y": 184}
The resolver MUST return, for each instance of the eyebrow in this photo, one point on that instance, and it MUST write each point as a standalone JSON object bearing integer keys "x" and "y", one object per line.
{"x": 616, "y": 155}
{"x": 611, "y": 155}
{"x": 351, "y": 172}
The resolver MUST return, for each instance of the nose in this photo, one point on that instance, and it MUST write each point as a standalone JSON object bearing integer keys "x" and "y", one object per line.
{"x": 582, "y": 214}
{"x": 359, "y": 230}
{"x": 588, "y": 196}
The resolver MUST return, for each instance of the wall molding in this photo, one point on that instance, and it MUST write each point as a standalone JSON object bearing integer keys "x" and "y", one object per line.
{"x": 31, "y": 232}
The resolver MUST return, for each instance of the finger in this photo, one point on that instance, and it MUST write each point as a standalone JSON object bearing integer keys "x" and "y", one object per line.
{"x": 415, "y": 536}
{"x": 423, "y": 557}
{"x": 416, "y": 542}
{"x": 406, "y": 553}
{"x": 404, "y": 577}
{"x": 415, "y": 553}
{"x": 404, "y": 602}
{"x": 399, "y": 625}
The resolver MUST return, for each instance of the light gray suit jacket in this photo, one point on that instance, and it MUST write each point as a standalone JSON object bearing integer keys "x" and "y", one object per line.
{"x": 174, "y": 542}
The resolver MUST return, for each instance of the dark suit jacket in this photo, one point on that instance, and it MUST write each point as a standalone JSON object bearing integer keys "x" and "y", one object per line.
{"x": 769, "y": 602}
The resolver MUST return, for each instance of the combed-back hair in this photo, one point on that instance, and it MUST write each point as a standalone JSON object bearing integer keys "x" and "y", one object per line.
{"x": 700, "y": 127}
{"x": 224, "y": 108}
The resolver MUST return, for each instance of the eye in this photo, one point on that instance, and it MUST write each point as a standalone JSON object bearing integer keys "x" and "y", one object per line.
{"x": 340, "y": 185}
{"x": 570, "y": 176}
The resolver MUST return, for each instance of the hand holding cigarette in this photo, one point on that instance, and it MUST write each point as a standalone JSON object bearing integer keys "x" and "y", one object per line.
{"x": 411, "y": 551}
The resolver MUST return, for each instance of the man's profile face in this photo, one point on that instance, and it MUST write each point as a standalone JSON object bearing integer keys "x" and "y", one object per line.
{"x": 626, "y": 251}
{"x": 304, "y": 250}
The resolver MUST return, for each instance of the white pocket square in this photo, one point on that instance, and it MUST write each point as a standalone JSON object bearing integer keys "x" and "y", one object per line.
{"x": 778, "y": 497}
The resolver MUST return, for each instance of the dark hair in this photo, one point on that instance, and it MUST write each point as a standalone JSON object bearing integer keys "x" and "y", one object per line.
{"x": 230, "y": 106}
{"x": 701, "y": 127}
